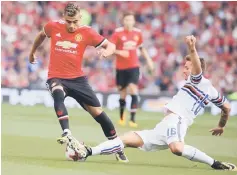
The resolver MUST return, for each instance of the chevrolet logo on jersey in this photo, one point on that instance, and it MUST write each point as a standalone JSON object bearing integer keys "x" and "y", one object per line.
{"x": 66, "y": 44}
{"x": 129, "y": 45}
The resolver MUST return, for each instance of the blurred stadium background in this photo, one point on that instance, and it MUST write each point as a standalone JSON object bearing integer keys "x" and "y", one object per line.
{"x": 164, "y": 26}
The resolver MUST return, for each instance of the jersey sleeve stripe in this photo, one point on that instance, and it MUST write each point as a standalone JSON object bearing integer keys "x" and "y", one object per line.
{"x": 196, "y": 76}
{"x": 219, "y": 102}
{"x": 216, "y": 97}
{"x": 195, "y": 79}
{"x": 101, "y": 43}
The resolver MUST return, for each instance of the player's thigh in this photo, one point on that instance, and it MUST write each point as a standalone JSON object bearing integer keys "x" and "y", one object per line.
{"x": 133, "y": 79}
{"x": 122, "y": 79}
{"x": 132, "y": 139}
{"x": 82, "y": 92}
{"x": 54, "y": 84}
{"x": 174, "y": 128}
{"x": 94, "y": 111}
{"x": 152, "y": 140}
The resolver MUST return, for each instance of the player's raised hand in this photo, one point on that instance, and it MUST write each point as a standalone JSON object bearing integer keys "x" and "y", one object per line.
{"x": 190, "y": 40}
{"x": 32, "y": 58}
{"x": 217, "y": 131}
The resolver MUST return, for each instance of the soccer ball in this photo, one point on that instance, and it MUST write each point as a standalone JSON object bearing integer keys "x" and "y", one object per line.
{"x": 70, "y": 154}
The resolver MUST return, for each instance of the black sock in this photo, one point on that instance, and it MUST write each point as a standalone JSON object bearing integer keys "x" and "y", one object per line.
{"x": 60, "y": 109}
{"x": 122, "y": 103}
{"x": 134, "y": 105}
{"x": 107, "y": 125}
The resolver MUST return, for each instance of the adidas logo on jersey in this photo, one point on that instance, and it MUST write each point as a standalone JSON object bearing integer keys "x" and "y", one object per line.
{"x": 58, "y": 35}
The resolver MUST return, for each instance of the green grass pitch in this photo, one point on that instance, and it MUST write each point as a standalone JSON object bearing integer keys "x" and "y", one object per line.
{"x": 29, "y": 145}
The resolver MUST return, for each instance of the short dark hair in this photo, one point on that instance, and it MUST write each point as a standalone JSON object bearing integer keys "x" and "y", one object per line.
{"x": 71, "y": 9}
{"x": 203, "y": 62}
{"x": 128, "y": 14}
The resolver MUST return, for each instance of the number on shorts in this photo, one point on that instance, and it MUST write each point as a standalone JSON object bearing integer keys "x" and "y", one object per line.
{"x": 171, "y": 132}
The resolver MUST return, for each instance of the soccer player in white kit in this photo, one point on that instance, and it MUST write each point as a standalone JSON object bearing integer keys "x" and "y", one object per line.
{"x": 181, "y": 111}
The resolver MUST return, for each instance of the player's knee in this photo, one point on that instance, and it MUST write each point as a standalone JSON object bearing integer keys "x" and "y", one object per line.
{"x": 96, "y": 111}
{"x": 176, "y": 149}
{"x": 58, "y": 87}
{"x": 133, "y": 88}
{"x": 58, "y": 94}
{"x": 131, "y": 139}
{"x": 123, "y": 93}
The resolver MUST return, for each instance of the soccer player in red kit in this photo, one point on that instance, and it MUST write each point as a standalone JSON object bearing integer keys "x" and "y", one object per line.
{"x": 127, "y": 40}
{"x": 65, "y": 76}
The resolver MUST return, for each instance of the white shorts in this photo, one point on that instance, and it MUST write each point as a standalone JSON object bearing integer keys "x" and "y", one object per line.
{"x": 171, "y": 129}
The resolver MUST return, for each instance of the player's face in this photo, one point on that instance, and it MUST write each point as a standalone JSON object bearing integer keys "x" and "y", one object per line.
{"x": 72, "y": 23}
{"x": 129, "y": 21}
{"x": 187, "y": 69}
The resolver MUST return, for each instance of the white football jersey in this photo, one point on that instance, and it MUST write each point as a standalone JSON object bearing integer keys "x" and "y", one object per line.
{"x": 193, "y": 97}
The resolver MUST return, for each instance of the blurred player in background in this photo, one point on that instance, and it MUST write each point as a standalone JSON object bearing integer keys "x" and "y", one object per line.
{"x": 65, "y": 76}
{"x": 127, "y": 39}
{"x": 182, "y": 110}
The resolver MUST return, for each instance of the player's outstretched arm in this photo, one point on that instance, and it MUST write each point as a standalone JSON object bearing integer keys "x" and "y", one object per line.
{"x": 147, "y": 58}
{"x": 38, "y": 41}
{"x": 122, "y": 53}
{"x": 196, "y": 64}
{"x": 225, "y": 112}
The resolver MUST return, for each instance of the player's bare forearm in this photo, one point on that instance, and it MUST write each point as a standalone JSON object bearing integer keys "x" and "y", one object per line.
{"x": 225, "y": 112}
{"x": 38, "y": 41}
{"x": 147, "y": 58}
{"x": 191, "y": 41}
{"x": 122, "y": 53}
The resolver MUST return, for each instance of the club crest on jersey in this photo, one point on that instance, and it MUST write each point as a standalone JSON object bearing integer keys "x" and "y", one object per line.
{"x": 78, "y": 37}
{"x": 66, "y": 44}
{"x": 136, "y": 38}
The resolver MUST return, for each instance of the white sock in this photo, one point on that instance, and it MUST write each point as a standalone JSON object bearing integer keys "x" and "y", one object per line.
{"x": 108, "y": 147}
{"x": 68, "y": 131}
{"x": 196, "y": 155}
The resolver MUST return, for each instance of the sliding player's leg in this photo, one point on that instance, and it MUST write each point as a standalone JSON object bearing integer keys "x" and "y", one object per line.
{"x": 176, "y": 131}
{"x": 194, "y": 154}
{"x": 130, "y": 139}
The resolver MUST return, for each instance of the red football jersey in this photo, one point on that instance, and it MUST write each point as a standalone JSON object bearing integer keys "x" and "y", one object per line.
{"x": 67, "y": 49}
{"x": 130, "y": 41}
